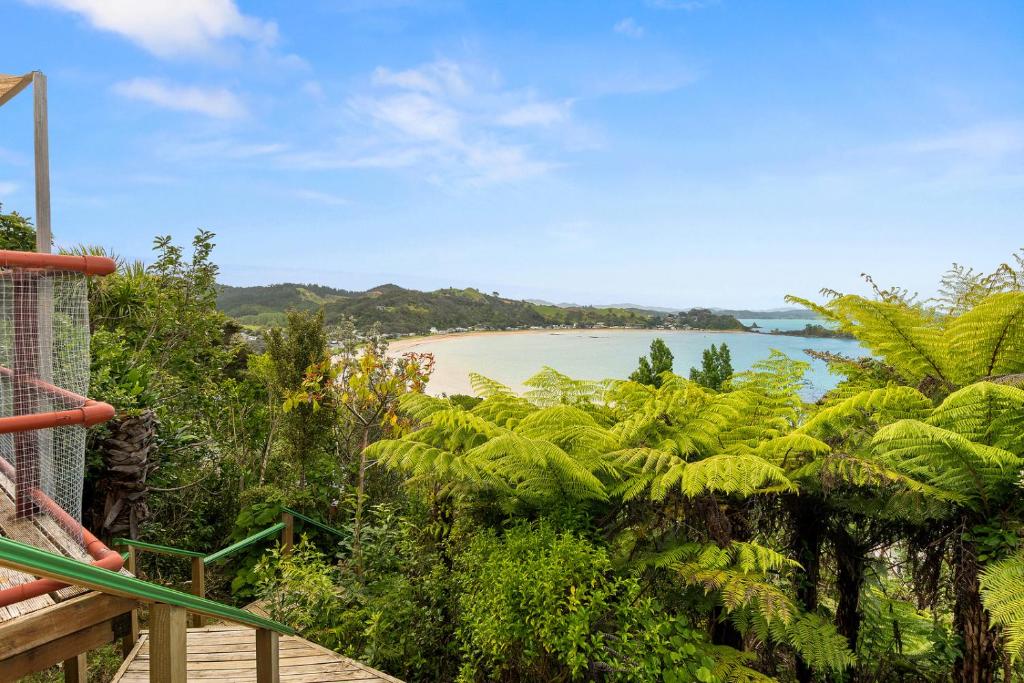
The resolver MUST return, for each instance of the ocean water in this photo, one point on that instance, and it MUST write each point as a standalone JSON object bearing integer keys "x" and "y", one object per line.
{"x": 600, "y": 354}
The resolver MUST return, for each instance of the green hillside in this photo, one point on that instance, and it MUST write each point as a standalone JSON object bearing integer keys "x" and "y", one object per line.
{"x": 400, "y": 310}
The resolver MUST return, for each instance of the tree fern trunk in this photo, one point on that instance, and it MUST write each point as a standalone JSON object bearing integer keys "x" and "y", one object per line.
{"x": 978, "y": 658}
{"x": 805, "y": 542}
{"x": 850, "y": 564}
{"x": 128, "y": 459}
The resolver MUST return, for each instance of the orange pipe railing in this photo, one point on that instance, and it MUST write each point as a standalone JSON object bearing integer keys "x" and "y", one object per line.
{"x": 87, "y": 265}
{"x": 84, "y": 412}
{"x": 102, "y": 555}
{"x": 87, "y": 414}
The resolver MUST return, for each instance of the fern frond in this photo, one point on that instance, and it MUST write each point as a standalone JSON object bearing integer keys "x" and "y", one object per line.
{"x": 1002, "y": 591}
{"x": 904, "y": 335}
{"x": 946, "y": 459}
{"x": 988, "y": 340}
{"x": 485, "y": 387}
{"x": 730, "y": 474}
{"x": 421, "y": 406}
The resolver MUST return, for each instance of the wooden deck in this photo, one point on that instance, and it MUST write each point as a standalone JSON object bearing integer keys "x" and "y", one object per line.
{"x": 228, "y": 653}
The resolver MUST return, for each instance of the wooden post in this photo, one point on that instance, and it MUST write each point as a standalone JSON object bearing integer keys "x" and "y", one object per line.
{"x": 287, "y": 533}
{"x": 128, "y": 642}
{"x": 76, "y": 670}
{"x": 44, "y": 237}
{"x": 268, "y": 669}
{"x": 168, "y": 639}
{"x": 198, "y": 587}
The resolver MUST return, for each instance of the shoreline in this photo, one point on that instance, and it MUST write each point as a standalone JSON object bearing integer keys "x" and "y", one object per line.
{"x": 405, "y": 344}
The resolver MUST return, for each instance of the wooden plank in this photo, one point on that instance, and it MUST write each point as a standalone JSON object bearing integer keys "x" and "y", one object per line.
{"x": 12, "y": 85}
{"x": 59, "y": 650}
{"x": 167, "y": 644}
{"x": 76, "y": 669}
{"x": 45, "y": 625}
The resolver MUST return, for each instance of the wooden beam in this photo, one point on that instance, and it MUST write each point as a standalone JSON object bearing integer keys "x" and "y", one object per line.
{"x": 268, "y": 656}
{"x": 287, "y": 533}
{"x": 62, "y": 649}
{"x": 43, "y": 626}
{"x": 76, "y": 669}
{"x": 44, "y": 237}
{"x": 132, "y": 637}
{"x": 198, "y": 587}
{"x": 168, "y": 639}
{"x": 12, "y": 90}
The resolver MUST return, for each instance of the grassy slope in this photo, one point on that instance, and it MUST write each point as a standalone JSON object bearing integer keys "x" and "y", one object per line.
{"x": 406, "y": 310}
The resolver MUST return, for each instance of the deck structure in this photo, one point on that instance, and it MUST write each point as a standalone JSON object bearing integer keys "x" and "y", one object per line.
{"x": 227, "y": 653}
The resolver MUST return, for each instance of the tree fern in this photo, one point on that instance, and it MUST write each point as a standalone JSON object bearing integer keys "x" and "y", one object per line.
{"x": 988, "y": 340}
{"x": 1002, "y": 586}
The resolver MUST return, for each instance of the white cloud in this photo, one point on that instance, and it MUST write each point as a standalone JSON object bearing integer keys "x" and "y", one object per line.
{"x": 436, "y": 78}
{"x": 320, "y": 197}
{"x": 451, "y": 119}
{"x": 629, "y": 27}
{"x": 413, "y": 114}
{"x": 988, "y": 140}
{"x": 536, "y": 114}
{"x": 171, "y": 28}
{"x": 217, "y": 103}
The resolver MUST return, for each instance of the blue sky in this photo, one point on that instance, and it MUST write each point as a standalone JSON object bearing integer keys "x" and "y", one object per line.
{"x": 666, "y": 152}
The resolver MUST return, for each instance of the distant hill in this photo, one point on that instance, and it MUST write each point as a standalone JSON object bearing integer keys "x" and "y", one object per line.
{"x": 773, "y": 314}
{"x": 769, "y": 314}
{"x": 399, "y": 310}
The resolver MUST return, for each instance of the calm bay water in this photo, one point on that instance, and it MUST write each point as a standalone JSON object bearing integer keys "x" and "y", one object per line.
{"x": 599, "y": 354}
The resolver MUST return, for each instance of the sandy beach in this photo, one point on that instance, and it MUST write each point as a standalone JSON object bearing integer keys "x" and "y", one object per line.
{"x": 454, "y": 363}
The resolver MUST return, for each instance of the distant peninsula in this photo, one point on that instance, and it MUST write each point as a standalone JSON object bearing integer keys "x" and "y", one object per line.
{"x": 399, "y": 311}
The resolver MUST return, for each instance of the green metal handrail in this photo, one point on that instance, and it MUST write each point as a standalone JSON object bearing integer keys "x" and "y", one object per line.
{"x": 29, "y": 560}
{"x": 156, "y": 548}
{"x": 310, "y": 520}
{"x": 245, "y": 542}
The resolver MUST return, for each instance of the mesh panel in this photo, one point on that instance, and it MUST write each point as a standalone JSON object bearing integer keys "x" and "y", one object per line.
{"x": 44, "y": 367}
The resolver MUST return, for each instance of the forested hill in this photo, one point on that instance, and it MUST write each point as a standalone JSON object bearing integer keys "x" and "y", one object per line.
{"x": 400, "y": 310}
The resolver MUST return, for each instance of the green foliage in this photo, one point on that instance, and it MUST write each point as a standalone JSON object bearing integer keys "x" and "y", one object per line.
{"x": 290, "y": 352}
{"x": 16, "y": 232}
{"x": 1002, "y": 587}
{"x": 651, "y": 369}
{"x": 538, "y": 605}
{"x": 715, "y": 369}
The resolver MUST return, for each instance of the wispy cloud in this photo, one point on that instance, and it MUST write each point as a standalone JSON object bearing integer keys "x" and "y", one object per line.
{"x": 320, "y": 197}
{"x": 536, "y": 114}
{"x": 218, "y": 103}
{"x": 450, "y": 118}
{"x": 629, "y": 27}
{"x": 171, "y": 28}
{"x": 991, "y": 140}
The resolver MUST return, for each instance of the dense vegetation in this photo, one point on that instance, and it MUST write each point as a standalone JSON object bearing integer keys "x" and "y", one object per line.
{"x": 403, "y": 311}
{"x": 815, "y": 330}
{"x": 714, "y": 529}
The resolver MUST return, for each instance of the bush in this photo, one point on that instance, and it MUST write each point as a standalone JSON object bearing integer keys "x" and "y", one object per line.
{"x": 538, "y": 605}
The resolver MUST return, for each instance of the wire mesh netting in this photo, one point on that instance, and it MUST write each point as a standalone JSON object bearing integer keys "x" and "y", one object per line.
{"x": 44, "y": 368}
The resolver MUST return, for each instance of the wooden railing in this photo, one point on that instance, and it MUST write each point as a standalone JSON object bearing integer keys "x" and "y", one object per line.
{"x": 199, "y": 561}
{"x": 169, "y": 610}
